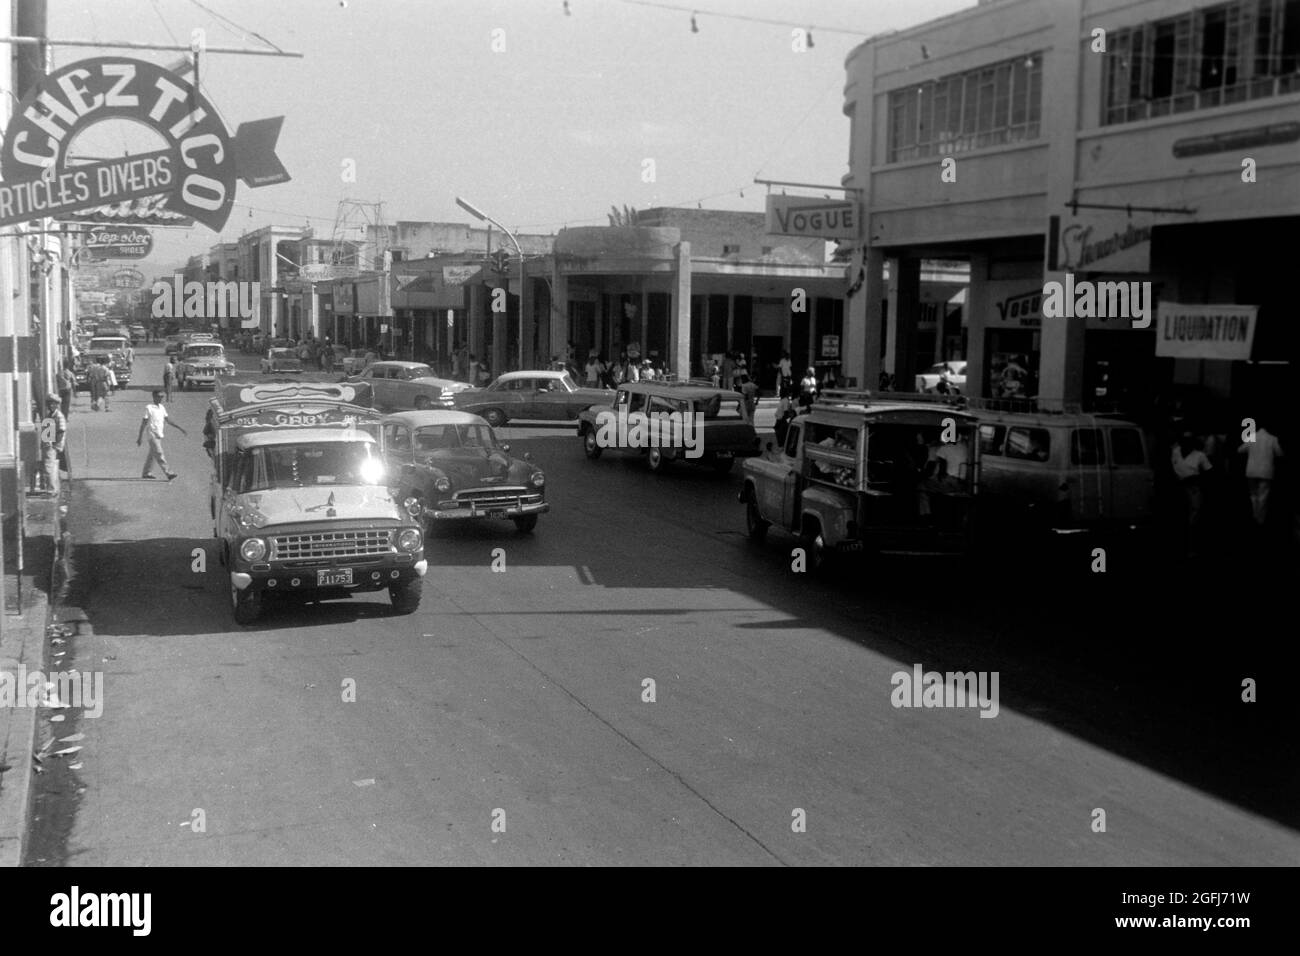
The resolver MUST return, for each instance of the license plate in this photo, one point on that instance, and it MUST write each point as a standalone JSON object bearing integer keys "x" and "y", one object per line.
{"x": 496, "y": 512}
{"x": 340, "y": 576}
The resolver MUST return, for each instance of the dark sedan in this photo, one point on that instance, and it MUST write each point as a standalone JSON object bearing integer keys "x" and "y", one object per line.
{"x": 531, "y": 396}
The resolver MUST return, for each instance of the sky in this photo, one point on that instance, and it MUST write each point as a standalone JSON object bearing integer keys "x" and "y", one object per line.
{"x": 548, "y": 131}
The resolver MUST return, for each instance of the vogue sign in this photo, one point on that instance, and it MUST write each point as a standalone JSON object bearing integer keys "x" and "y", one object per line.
{"x": 196, "y": 171}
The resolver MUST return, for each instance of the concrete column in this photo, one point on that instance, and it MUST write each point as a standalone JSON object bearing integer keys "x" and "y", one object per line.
{"x": 978, "y": 305}
{"x": 477, "y": 317}
{"x": 904, "y": 304}
{"x": 731, "y": 321}
{"x": 500, "y": 338}
{"x": 645, "y": 321}
{"x": 1060, "y": 362}
{"x": 679, "y": 333}
{"x": 863, "y": 321}
{"x": 559, "y": 313}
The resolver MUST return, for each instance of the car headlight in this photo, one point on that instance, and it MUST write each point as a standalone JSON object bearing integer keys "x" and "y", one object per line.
{"x": 253, "y": 549}
{"x": 409, "y": 540}
{"x": 443, "y": 484}
{"x": 539, "y": 479}
{"x": 413, "y": 507}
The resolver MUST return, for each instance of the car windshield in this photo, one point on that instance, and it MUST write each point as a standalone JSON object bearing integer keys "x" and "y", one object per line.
{"x": 433, "y": 438}
{"x": 282, "y": 354}
{"x": 202, "y": 351}
{"x": 269, "y": 467}
{"x": 108, "y": 343}
{"x": 567, "y": 381}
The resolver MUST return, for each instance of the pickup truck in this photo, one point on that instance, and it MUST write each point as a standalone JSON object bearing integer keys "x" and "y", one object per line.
{"x": 891, "y": 475}
{"x": 300, "y": 498}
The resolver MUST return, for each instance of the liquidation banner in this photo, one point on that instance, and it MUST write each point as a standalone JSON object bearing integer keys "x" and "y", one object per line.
{"x": 196, "y": 172}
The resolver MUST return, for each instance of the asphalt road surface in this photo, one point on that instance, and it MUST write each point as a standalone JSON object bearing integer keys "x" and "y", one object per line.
{"x": 519, "y": 697}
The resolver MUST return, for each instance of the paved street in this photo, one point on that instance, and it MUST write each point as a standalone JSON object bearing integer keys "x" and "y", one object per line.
{"x": 520, "y": 694}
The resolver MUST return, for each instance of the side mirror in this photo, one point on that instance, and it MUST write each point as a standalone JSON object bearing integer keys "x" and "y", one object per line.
{"x": 505, "y": 447}
{"x": 528, "y": 456}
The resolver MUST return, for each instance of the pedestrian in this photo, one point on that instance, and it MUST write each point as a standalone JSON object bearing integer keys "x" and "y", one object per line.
{"x": 785, "y": 369}
{"x": 67, "y": 383}
{"x": 594, "y": 370}
{"x": 728, "y": 372}
{"x": 155, "y": 417}
{"x": 484, "y": 374}
{"x": 112, "y": 384}
{"x": 749, "y": 389}
{"x": 169, "y": 376}
{"x": 1189, "y": 464}
{"x": 97, "y": 378}
{"x": 1261, "y": 464}
{"x": 54, "y": 432}
{"x": 129, "y": 352}
{"x": 327, "y": 357}
{"x": 808, "y": 389}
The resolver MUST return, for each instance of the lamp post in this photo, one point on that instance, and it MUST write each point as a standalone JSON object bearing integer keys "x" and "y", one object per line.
{"x": 484, "y": 217}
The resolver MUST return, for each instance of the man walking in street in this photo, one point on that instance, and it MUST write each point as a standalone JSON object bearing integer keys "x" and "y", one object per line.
{"x": 1261, "y": 464}
{"x": 67, "y": 383}
{"x": 54, "y": 432}
{"x": 169, "y": 376}
{"x": 97, "y": 378}
{"x": 155, "y": 417}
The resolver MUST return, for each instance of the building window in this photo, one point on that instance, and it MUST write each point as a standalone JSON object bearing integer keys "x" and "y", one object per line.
{"x": 991, "y": 106}
{"x": 731, "y": 250}
{"x": 1211, "y": 57}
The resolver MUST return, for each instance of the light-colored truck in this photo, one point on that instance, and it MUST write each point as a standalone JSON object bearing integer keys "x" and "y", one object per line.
{"x": 300, "y": 498}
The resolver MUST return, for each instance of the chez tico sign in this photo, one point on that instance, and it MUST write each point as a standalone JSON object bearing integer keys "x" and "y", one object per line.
{"x": 196, "y": 171}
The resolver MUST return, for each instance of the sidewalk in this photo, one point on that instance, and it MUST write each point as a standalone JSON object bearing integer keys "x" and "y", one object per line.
{"x": 22, "y": 645}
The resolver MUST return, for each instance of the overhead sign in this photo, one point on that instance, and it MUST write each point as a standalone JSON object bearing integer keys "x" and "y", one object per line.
{"x": 127, "y": 279}
{"x": 458, "y": 275}
{"x": 1099, "y": 241}
{"x": 85, "y": 280}
{"x": 107, "y": 242}
{"x": 196, "y": 171}
{"x": 1225, "y": 332}
{"x": 812, "y": 218}
{"x": 1018, "y": 304}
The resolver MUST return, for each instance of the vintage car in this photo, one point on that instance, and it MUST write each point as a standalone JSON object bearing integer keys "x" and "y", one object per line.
{"x": 351, "y": 362}
{"x": 952, "y": 373}
{"x": 300, "y": 498}
{"x": 893, "y": 474}
{"x": 137, "y": 334}
{"x": 174, "y": 344}
{"x": 532, "y": 396}
{"x": 114, "y": 348}
{"x": 280, "y": 360}
{"x": 452, "y": 462}
{"x": 409, "y": 385}
{"x": 667, "y": 421}
{"x": 1062, "y": 472}
{"x": 203, "y": 363}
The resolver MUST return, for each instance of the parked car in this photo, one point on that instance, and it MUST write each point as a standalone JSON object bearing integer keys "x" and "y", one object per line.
{"x": 667, "y": 422}
{"x": 280, "y": 360}
{"x": 1064, "y": 472}
{"x": 352, "y": 361}
{"x": 533, "y": 396}
{"x": 862, "y": 473}
{"x": 952, "y": 372}
{"x": 137, "y": 333}
{"x": 112, "y": 347}
{"x": 453, "y": 463}
{"x": 409, "y": 385}
{"x": 174, "y": 344}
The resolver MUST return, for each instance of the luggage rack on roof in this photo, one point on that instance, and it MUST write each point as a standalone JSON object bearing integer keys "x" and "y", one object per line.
{"x": 852, "y": 396}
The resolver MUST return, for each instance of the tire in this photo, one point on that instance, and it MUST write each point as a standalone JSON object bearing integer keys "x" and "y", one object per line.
{"x": 495, "y": 417}
{"x": 656, "y": 460}
{"x": 723, "y": 466}
{"x": 590, "y": 445}
{"x": 525, "y": 524}
{"x": 406, "y": 596}
{"x": 814, "y": 548}
{"x": 754, "y": 523}
{"x": 246, "y": 604}
{"x": 422, "y": 403}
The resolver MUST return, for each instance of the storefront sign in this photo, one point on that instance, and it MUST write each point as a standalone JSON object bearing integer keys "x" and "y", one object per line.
{"x": 458, "y": 275}
{"x": 1018, "y": 304}
{"x": 129, "y": 242}
{"x": 830, "y": 346}
{"x": 811, "y": 218}
{"x": 1100, "y": 241}
{"x": 196, "y": 171}
{"x": 1238, "y": 139}
{"x": 1224, "y": 332}
{"x": 127, "y": 279}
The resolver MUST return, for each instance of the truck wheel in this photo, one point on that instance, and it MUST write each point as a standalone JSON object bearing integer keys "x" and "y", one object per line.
{"x": 406, "y": 596}
{"x": 754, "y": 522}
{"x": 814, "y": 546}
{"x": 247, "y": 604}
{"x": 495, "y": 417}
{"x": 723, "y": 466}
{"x": 526, "y": 524}
{"x": 656, "y": 460}
{"x": 590, "y": 445}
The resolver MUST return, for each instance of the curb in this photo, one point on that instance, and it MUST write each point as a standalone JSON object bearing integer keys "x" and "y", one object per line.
{"x": 15, "y": 808}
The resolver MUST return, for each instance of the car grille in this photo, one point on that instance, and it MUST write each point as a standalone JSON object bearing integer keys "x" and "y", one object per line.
{"x": 333, "y": 545}
{"x": 497, "y": 497}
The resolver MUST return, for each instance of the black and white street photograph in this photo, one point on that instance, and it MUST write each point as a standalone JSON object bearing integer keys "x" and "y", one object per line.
{"x": 619, "y": 433}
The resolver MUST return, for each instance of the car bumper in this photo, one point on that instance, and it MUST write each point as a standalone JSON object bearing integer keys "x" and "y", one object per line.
{"x": 471, "y": 510}
{"x": 368, "y": 578}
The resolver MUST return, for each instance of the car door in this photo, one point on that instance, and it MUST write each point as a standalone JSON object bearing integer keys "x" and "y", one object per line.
{"x": 1089, "y": 474}
{"x": 398, "y": 455}
{"x": 789, "y": 487}
{"x": 524, "y": 398}
{"x": 1132, "y": 479}
{"x": 551, "y": 400}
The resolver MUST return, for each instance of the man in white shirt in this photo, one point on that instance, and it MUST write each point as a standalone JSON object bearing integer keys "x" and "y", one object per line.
{"x": 155, "y": 417}
{"x": 1261, "y": 460}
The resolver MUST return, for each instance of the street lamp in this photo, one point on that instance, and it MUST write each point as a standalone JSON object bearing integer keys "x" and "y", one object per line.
{"x": 484, "y": 217}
